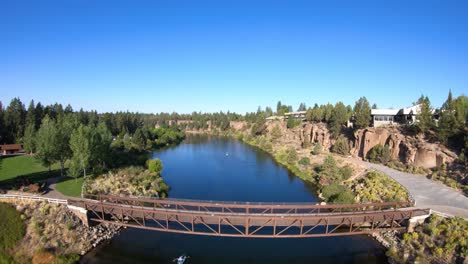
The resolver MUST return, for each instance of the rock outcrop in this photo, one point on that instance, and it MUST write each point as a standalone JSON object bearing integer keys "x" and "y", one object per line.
{"x": 303, "y": 135}
{"x": 407, "y": 149}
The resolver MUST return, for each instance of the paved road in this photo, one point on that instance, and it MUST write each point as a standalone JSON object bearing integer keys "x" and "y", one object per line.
{"x": 426, "y": 193}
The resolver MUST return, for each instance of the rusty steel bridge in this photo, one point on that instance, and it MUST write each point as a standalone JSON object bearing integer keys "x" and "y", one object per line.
{"x": 256, "y": 220}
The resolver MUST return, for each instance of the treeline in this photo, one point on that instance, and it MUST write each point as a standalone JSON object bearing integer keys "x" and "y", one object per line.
{"x": 86, "y": 139}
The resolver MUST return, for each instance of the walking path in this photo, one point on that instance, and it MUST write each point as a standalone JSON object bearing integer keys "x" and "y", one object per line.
{"x": 426, "y": 193}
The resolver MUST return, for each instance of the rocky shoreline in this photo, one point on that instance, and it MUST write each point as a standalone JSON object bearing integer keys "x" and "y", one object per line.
{"x": 57, "y": 231}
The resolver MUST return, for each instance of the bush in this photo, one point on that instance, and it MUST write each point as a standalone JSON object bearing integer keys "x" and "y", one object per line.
{"x": 346, "y": 172}
{"x": 332, "y": 190}
{"x": 292, "y": 156}
{"x": 293, "y": 122}
{"x": 154, "y": 165}
{"x": 304, "y": 161}
{"x": 317, "y": 149}
{"x": 380, "y": 154}
{"x": 346, "y": 197}
{"x": 341, "y": 146}
{"x": 337, "y": 194}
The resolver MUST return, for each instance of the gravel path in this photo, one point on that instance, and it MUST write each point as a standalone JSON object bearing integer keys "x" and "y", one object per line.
{"x": 426, "y": 193}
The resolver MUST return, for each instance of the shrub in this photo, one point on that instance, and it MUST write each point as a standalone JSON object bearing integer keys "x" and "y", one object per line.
{"x": 304, "y": 161}
{"x": 346, "y": 196}
{"x": 276, "y": 132}
{"x": 332, "y": 190}
{"x": 346, "y": 172}
{"x": 155, "y": 166}
{"x": 341, "y": 146}
{"x": 293, "y": 122}
{"x": 380, "y": 154}
{"x": 292, "y": 156}
{"x": 317, "y": 149}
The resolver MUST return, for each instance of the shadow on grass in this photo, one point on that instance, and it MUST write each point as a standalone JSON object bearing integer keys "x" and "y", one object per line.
{"x": 30, "y": 178}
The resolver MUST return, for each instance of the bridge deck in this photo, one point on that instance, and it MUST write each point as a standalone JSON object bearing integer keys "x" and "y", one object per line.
{"x": 247, "y": 219}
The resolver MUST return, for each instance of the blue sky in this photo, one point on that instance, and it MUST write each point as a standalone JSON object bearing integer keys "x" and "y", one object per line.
{"x": 152, "y": 56}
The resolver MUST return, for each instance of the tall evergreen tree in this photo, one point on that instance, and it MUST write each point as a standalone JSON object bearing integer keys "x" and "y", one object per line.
{"x": 2, "y": 124}
{"x": 362, "y": 113}
{"x": 338, "y": 118}
{"x": 424, "y": 118}
{"x": 39, "y": 115}
{"x": 15, "y": 115}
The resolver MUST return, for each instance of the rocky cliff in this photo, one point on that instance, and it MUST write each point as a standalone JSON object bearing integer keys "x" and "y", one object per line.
{"x": 408, "y": 149}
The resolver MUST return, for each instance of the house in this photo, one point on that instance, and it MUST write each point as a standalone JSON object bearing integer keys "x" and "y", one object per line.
{"x": 384, "y": 117}
{"x": 298, "y": 114}
{"x": 275, "y": 117}
{"x": 403, "y": 116}
{"x": 11, "y": 149}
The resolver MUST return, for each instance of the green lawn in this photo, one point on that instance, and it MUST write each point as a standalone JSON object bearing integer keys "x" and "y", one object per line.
{"x": 70, "y": 187}
{"x": 27, "y": 166}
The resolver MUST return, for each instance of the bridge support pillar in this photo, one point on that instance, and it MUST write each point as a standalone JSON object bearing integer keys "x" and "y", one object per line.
{"x": 81, "y": 213}
{"x": 415, "y": 221}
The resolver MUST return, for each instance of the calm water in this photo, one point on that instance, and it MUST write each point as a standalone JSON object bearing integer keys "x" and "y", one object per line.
{"x": 213, "y": 168}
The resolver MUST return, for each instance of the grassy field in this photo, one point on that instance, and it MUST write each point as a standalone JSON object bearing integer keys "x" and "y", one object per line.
{"x": 12, "y": 230}
{"x": 27, "y": 166}
{"x": 70, "y": 187}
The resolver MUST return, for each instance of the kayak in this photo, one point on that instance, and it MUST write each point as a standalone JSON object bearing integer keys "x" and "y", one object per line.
{"x": 181, "y": 259}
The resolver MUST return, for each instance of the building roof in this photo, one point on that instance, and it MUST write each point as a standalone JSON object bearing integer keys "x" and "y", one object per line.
{"x": 412, "y": 110}
{"x": 296, "y": 113}
{"x": 384, "y": 111}
{"x": 11, "y": 147}
{"x": 275, "y": 117}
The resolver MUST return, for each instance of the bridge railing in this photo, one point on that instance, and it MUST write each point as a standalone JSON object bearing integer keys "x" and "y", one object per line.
{"x": 33, "y": 198}
{"x": 244, "y": 208}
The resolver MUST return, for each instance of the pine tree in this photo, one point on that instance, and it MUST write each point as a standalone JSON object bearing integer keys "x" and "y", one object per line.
{"x": 338, "y": 118}
{"x": 424, "y": 118}
{"x": 15, "y": 115}
{"x": 362, "y": 113}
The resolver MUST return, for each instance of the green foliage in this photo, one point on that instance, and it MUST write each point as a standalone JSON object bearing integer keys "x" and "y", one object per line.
{"x": 81, "y": 146}
{"x": 380, "y": 154}
{"x": 438, "y": 240}
{"x": 155, "y": 166}
{"x": 317, "y": 149}
{"x": 47, "y": 142}
{"x": 339, "y": 117}
{"x": 329, "y": 172}
{"x": 337, "y": 193}
{"x": 12, "y": 229}
{"x": 346, "y": 172}
{"x": 293, "y": 122}
{"x": 377, "y": 187}
{"x": 276, "y": 132}
{"x": 315, "y": 114}
{"x": 424, "y": 118}
{"x": 362, "y": 113}
{"x": 29, "y": 139}
{"x": 68, "y": 259}
{"x": 134, "y": 181}
{"x": 304, "y": 161}
{"x": 291, "y": 156}
{"x": 341, "y": 146}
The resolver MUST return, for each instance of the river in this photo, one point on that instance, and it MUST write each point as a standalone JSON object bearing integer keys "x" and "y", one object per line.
{"x": 216, "y": 168}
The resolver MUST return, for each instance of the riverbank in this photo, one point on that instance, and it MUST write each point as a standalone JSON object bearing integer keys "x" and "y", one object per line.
{"x": 53, "y": 234}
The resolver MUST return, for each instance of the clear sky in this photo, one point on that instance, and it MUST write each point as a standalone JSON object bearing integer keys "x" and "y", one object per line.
{"x": 152, "y": 56}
